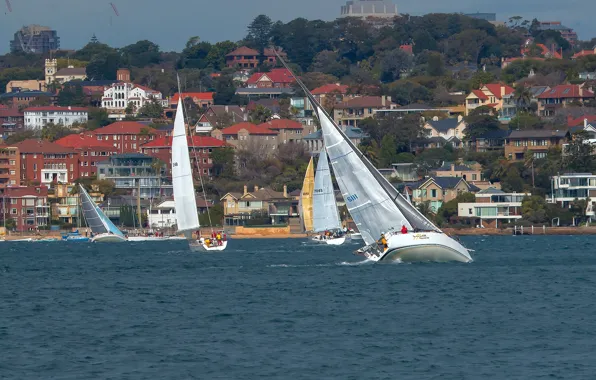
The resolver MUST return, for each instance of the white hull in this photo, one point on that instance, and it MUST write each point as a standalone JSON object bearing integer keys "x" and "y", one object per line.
{"x": 21, "y": 240}
{"x": 108, "y": 238}
{"x": 330, "y": 241}
{"x": 199, "y": 245}
{"x": 147, "y": 238}
{"x": 355, "y": 236}
{"x": 422, "y": 246}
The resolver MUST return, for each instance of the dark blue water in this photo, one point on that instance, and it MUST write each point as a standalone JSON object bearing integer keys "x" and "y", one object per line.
{"x": 278, "y": 309}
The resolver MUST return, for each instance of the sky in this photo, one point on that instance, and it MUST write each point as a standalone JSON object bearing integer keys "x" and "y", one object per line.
{"x": 171, "y": 23}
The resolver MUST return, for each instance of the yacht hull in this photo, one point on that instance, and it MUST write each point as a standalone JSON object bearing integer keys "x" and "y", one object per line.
{"x": 424, "y": 246}
{"x": 108, "y": 238}
{"x": 329, "y": 241}
{"x": 201, "y": 246}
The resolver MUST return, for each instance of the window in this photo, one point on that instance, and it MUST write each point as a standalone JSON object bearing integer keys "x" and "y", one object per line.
{"x": 433, "y": 193}
{"x": 13, "y": 162}
{"x": 13, "y": 211}
{"x": 470, "y": 211}
{"x": 474, "y": 177}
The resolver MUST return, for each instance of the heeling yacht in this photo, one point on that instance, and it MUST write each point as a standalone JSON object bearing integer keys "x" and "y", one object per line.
{"x": 378, "y": 209}
{"x": 326, "y": 222}
{"x": 103, "y": 229}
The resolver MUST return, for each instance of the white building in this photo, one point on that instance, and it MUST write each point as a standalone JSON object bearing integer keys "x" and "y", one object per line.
{"x": 369, "y": 8}
{"x": 117, "y": 97}
{"x": 566, "y": 188}
{"x": 37, "y": 117}
{"x": 163, "y": 216}
{"x": 493, "y": 206}
{"x": 63, "y": 75}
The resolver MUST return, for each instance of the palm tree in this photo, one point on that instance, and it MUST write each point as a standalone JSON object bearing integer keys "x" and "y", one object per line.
{"x": 522, "y": 97}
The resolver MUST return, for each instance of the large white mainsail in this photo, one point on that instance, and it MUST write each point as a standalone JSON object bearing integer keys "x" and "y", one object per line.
{"x": 187, "y": 217}
{"x": 325, "y": 215}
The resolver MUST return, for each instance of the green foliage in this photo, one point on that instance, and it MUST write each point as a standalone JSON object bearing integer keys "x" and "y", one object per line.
{"x": 72, "y": 95}
{"x": 388, "y": 152}
{"x": 128, "y": 217}
{"x": 449, "y": 209}
{"x": 152, "y": 110}
{"x": 140, "y": 54}
{"x": 580, "y": 154}
{"x": 18, "y": 73}
{"x": 223, "y": 162}
{"x": 260, "y": 114}
{"x": 20, "y": 136}
{"x": 534, "y": 209}
{"x": 104, "y": 186}
{"x": 98, "y": 117}
{"x": 259, "y": 33}
{"x": 53, "y": 132}
{"x": 523, "y": 120}
{"x": 216, "y": 215}
{"x": 479, "y": 124}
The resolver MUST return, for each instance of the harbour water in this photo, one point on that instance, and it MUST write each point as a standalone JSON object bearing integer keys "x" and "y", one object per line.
{"x": 283, "y": 309}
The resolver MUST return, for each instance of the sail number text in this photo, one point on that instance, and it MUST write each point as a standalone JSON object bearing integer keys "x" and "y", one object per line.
{"x": 352, "y": 198}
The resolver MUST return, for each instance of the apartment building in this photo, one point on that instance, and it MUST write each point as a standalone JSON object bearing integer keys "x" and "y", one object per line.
{"x": 10, "y": 165}
{"x": 27, "y": 206}
{"x": 538, "y": 141}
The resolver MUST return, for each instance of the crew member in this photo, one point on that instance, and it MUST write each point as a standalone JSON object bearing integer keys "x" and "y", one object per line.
{"x": 404, "y": 229}
{"x": 384, "y": 241}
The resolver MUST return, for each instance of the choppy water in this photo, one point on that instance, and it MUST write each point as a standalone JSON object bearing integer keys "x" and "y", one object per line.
{"x": 280, "y": 309}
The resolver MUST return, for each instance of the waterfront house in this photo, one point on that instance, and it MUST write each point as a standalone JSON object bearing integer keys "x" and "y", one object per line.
{"x": 278, "y": 207}
{"x": 493, "y": 206}
{"x": 437, "y": 190}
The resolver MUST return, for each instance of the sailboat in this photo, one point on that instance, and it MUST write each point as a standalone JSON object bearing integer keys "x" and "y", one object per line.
{"x": 187, "y": 217}
{"x": 103, "y": 229}
{"x": 306, "y": 197}
{"x": 325, "y": 215}
{"x": 391, "y": 227}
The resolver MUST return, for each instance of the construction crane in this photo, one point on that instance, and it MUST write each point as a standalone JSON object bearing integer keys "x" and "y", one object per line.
{"x": 113, "y": 7}
{"x": 9, "y": 6}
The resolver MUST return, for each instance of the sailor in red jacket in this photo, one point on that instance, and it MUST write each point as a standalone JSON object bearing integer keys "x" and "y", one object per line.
{"x": 404, "y": 229}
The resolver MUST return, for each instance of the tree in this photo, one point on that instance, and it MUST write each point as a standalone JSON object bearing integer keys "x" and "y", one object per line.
{"x": 435, "y": 64}
{"x": 98, "y": 117}
{"x": 480, "y": 124}
{"x": 388, "y": 151}
{"x": 259, "y": 33}
{"x": 152, "y": 110}
{"x": 260, "y": 114}
{"x": 20, "y": 136}
{"x": 217, "y": 55}
{"x": 395, "y": 64}
{"x": 580, "y": 153}
{"x": 223, "y": 162}
{"x": 53, "y": 132}
{"x": 534, "y": 209}
{"x": 140, "y": 54}
{"x": 103, "y": 66}
{"x": 104, "y": 186}
{"x": 523, "y": 120}
{"x": 225, "y": 90}
{"x": 195, "y": 54}
{"x": 130, "y": 109}
{"x": 522, "y": 97}
{"x": 72, "y": 95}
{"x": 450, "y": 209}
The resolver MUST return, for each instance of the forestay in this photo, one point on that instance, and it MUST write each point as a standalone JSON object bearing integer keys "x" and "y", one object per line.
{"x": 373, "y": 211}
{"x": 184, "y": 192}
{"x": 325, "y": 215}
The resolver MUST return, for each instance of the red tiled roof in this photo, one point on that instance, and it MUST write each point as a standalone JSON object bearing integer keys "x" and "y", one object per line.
{"x": 492, "y": 105}
{"x": 84, "y": 140}
{"x": 41, "y": 146}
{"x": 584, "y": 53}
{"x": 571, "y": 122}
{"x": 545, "y": 51}
{"x": 193, "y": 95}
{"x": 23, "y": 191}
{"x": 407, "y": 48}
{"x": 123, "y": 128}
{"x": 566, "y": 91}
{"x": 243, "y": 50}
{"x": 55, "y": 108}
{"x": 10, "y": 112}
{"x": 495, "y": 88}
{"x": 329, "y": 88}
{"x": 480, "y": 94}
{"x": 197, "y": 141}
{"x": 250, "y": 127}
{"x": 281, "y": 124}
{"x": 275, "y": 75}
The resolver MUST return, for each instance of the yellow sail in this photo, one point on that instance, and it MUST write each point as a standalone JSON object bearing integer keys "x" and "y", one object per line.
{"x": 308, "y": 186}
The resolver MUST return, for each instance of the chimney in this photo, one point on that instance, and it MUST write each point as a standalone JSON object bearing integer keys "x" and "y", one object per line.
{"x": 245, "y": 190}
{"x": 502, "y": 91}
{"x": 285, "y": 191}
{"x": 256, "y": 188}
{"x": 123, "y": 75}
{"x": 226, "y": 109}
{"x": 383, "y": 100}
{"x": 585, "y": 122}
{"x": 435, "y": 118}
{"x": 452, "y": 167}
{"x": 460, "y": 118}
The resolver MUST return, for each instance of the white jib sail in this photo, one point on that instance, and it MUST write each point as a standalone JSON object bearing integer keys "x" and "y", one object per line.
{"x": 184, "y": 192}
{"x": 325, "y": 215}
{"x": 369, "y": 205}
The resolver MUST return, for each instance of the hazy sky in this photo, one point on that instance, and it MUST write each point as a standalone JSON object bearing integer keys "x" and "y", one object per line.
{"x": 170, "y": 23}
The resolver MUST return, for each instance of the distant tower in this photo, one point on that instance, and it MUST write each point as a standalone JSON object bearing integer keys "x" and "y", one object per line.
{"x": 51, "y": 69}
{"x": 94, "y": 40}
{"x": 123, "y": 75}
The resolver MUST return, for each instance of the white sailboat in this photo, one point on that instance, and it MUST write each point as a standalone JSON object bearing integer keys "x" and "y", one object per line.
{"x": 103, "y": 229}
{"x": 187, "y": 217}
{"x": 326, "y": 222}
{"x": 378, "y": 209}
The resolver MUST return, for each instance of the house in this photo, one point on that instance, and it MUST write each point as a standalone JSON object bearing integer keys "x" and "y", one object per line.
{"x": 127, "y": 136}
{"x": 11, "y": 120}
{"x": 271, "y": 104}
{"x": 567, "y": 33}
{"x": 353, "y": 110}
{"x": 586, "y": 75}
{"x": 507, "y": 61}
{"x": 47, "y": 162}
{"x": 241, "y": 76}
{"x": 27, "y": 206}
{"x": 131, "y": 171}
{"x": 200, "y": 149}
{"x": 276, "y": 78}
{"x": 248, "y": 58}
{"x": 584, "y": 121}
{"x": 203, "y": 100}
{"x": 90, "y": 151}
{"x": 248, "y": 135}
{"x": 26, "y": 85}
{"x": 490, "y": 95}
{"x": 64, "y": 205}
{"x": 163, "y": 215}
{"x": 446, "y": 128}
{"x": 450, "y": 169}
{"x": 241, "y": 207}
{"x": 10, "y": 165}
{"x": 314, "y": 141}
{"x": 438, "y": 190}
{"x": 561, "y": 96}
{"x": 288, "y": 131}
{"x": 119, "y": 95}
{"x": 584, "y": 53}
{"x": 367, "y": 9}
{"x": 38, "y": 117}
{"x": 24, "y": 98}
{"x": 536, "y": 141}
{"x": 329, "y": 94}
{"x": 569, "y": 187}
{"x": 220, "y": 117}
{"x": 493, "y": 206}
{"x": 543, "y": 50}
{"x": 52, "y": 74}
{"x": 490, "y": 140}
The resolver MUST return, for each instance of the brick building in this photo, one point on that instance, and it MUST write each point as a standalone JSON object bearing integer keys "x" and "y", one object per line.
{"x": 202, "y": 146}
{"x": 27, "y": 206}
{"x": 46, "y": 162}
{"x": 10, "y": 164}
{"x": 127, "y": 136}
{"x": 89, "y": 150}
{"x": 247, "y": 58}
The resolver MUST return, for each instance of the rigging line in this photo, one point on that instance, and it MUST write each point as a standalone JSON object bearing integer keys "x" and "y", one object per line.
{"x": 194, "y": 151}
